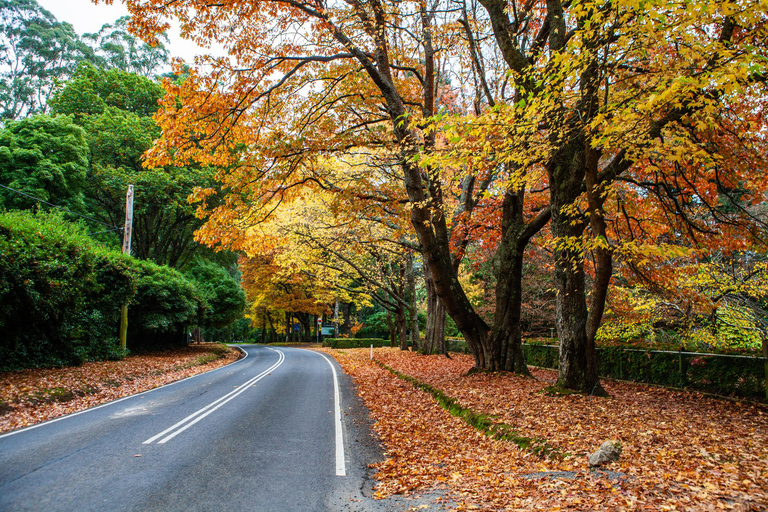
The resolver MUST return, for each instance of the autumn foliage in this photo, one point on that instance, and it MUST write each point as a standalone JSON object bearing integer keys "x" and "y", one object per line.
{"x": 681, "y": 451}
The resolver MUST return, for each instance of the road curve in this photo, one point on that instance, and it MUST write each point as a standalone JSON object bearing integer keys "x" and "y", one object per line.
{"x": 260, "y": 434}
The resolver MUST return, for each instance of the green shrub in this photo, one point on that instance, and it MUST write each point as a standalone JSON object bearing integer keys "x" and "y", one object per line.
{"x": 354, "y": 342}
{"x": 718, "y": 373}
{"x": 62, "y": 292}
{"x": 165, "y": 303}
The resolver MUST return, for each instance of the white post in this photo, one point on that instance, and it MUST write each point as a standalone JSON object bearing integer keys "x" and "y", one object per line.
{"x": 371, "y": 352}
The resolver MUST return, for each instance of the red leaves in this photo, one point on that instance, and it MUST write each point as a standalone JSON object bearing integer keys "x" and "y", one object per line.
{"x": 32, "y": 396}
{"x": 680, "y": 450}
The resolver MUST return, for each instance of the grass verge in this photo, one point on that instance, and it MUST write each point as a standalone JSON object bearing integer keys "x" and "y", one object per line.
{"x": 482, "y": 422}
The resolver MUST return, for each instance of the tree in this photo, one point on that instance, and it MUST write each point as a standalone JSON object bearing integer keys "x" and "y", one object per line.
{"x": 224, "y": 299}
{"x": 114, "y": 108}
{"x": 116, "y": 48}
{"x": 92, "y": 90}
{"x": 594, "y": 87}
{"x": 37, "y": 53}
{"x": 46, "y": 158}
{"x": 597, "y": 88}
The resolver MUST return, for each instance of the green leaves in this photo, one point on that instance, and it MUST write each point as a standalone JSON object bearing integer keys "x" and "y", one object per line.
{"x": 45, "y": 157}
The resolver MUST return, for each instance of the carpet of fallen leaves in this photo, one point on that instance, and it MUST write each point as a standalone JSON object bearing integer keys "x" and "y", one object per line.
{"x": 681, "y": 450}
{"x": 32, "y": 396}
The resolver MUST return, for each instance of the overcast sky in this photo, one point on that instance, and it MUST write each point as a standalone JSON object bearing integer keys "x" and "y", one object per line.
{"x": 87, "y": 17}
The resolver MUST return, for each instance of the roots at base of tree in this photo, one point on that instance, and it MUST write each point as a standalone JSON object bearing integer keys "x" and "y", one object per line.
{"x": 560, "y": 390}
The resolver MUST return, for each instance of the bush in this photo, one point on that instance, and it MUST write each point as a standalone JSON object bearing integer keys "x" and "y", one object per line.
{"x": 354, "y": 342}
{"x": 62, "y": 292}
{"x": 164, "y": 304}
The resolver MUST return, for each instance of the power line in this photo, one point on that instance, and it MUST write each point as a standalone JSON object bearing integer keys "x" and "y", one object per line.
{"x": 114, "y": 228}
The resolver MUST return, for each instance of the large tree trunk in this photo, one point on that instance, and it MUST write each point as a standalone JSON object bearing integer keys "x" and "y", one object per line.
{"x": 434, "y": 337}
{"x": 578, "y": 357}
{"x": 602, "y": 251}
{"x": 505, "y": 341}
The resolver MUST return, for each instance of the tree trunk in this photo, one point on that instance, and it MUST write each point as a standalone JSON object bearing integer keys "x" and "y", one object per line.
{"x": 272, "y": 330}
{"x": 505, "y": 343}
{"x": 413, "y": 312}
{"x": 288, "y": 329}
{"x": 602, "y": 250}
{"x": 264, "y": 326}
{"x": 578, "y": 357}
{"x": 336, "y": 318}
{"x": 306, "y": 329}
{"x": 434, "y": 337}
{"x": 401, "y": 326}
{"x": 346, "y": 310}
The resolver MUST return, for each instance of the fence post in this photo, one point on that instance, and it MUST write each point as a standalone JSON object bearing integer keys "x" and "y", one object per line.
{"x": 765, "y": 368}
{"x": 680, "y": 368}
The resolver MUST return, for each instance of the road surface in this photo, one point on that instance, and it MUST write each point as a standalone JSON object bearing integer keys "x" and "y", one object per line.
{"x": 278, "y": 430}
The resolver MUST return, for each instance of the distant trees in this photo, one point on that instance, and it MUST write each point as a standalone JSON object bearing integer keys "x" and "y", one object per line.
{"x": 116, "y": 48}
{"x": 114, "y": 107}
{"x": 37, "y": 53}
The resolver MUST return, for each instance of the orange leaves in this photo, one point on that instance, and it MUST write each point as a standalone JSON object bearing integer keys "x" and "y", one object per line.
{"x": 681, "y": 450}
{"x": 31, "y": 396}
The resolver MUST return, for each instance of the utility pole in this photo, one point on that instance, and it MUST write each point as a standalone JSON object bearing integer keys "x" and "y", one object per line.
{"x": 126, "y": 250}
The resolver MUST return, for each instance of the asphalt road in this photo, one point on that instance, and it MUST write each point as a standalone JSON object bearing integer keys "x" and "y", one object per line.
{"x": 262, "y": 434}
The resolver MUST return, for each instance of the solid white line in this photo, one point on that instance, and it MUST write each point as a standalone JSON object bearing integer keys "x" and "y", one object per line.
{"x": 208, "y": 409}
{"x": 113, "y": 402}
{"x": 341, "y": 465}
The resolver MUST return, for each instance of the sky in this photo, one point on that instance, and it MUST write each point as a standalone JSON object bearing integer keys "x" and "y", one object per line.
{"x": 87, "y": 17}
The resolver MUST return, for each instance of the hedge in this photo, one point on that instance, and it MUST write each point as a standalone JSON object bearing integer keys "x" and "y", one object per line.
{"x": 355, "y": 342}
{"x": 729, "y": 375}
{"x": 61, "y": 293}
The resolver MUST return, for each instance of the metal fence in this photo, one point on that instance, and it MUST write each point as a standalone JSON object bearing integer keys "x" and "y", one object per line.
{"x": 730, "y": 375}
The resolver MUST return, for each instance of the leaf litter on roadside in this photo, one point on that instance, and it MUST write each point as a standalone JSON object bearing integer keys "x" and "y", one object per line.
{"x": 681, "y": 450}
{"x": 31, "y": 396}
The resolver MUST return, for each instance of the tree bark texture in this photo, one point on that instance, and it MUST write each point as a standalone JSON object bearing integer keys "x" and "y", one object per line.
{"x": 578, "y": 357}
{"x": 434, "y": 337}
{"x": 505, "y": 341}
{"x": 413, "y": 313}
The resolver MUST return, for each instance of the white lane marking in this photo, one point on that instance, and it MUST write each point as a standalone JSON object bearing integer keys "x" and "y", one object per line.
{"x": 113, "y": 402}
{"x": 198, "y": 415}
{"x": 341, "y": 465}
